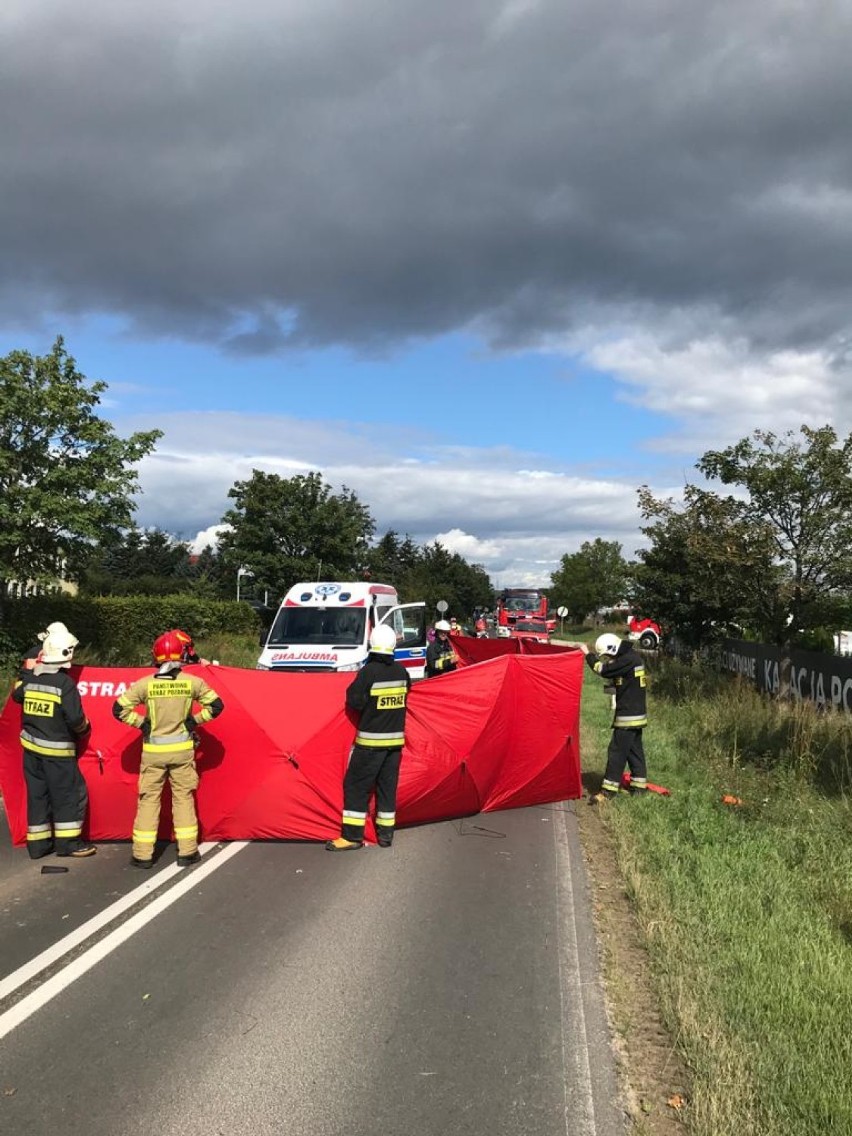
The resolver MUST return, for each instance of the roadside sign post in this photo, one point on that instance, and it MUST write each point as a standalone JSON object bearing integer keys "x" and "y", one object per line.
{"x": 562, "y": 612}
{"x": 240, "y": 573}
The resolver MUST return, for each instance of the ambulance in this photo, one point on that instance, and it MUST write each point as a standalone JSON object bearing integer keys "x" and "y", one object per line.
{"x": 325, "y": 628}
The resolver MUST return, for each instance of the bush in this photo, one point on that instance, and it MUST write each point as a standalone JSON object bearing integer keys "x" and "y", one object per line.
{"x": 614, "y": 615}
{"x": 110, "y": 624}
{"x": 818, "y": 639}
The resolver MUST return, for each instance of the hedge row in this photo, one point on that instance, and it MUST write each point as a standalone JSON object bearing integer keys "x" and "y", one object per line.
{"x": 106, "y": 623}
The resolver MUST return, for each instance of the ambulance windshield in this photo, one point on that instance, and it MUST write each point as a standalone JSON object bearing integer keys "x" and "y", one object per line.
{"x": 331, "y": 627}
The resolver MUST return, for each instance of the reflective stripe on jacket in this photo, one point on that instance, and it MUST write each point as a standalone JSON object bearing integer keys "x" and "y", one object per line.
{"x": 626, "y": 673}
{"x": 379, "y": 693}
{"x": 53, "y": 717}
{"x": 168, "y": 697}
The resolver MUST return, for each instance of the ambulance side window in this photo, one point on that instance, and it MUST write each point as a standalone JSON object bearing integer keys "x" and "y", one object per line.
{"x": 410, "y": 626}
{"x": 381, "y": 612}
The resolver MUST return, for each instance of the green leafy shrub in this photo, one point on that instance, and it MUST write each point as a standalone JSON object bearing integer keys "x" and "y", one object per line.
{"x": 111, "y": 625}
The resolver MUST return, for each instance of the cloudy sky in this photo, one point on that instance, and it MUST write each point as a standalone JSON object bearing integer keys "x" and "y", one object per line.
{"x": 492, "y": 265}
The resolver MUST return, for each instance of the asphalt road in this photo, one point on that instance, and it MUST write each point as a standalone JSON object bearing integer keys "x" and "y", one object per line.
{"x": 446, "y": 986}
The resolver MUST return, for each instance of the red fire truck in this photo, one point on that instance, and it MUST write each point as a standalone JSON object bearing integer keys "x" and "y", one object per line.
{"x": 645, "y": 632}
{"x": 524, "y": 605}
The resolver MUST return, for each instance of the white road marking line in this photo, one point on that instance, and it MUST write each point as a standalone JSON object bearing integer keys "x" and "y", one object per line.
{"x": 99, "y": 950}
{"x": 49, "y": 956}
{"x": 579, "y": 1113}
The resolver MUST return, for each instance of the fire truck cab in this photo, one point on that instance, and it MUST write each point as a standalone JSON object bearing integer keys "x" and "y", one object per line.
{"x": 325, "y": 628}
{"x": 522, "y": 604}
{"x": 645, "y": 632}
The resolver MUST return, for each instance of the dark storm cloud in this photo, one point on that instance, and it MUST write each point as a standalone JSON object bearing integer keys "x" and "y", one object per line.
{"x": 337, "y": 171}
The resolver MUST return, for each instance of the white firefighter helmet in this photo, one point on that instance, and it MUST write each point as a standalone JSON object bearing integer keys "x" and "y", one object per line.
{"x": 51, "y": 629}
{"x": 58, "y": 646}
{"x": 383, "y": 639}
{"x": 607, "y": 644}
{"x": 442, "y": 625}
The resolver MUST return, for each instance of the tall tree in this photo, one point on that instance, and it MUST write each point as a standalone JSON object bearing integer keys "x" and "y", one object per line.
{"x": 288, "y": 529}
{"x": 66, "y": 479}
{"x": 593, "y": 578}
{"x": 443, "y": 575}
{"x": 707, "y": 568}
{"x": 211, "y": 576}
{"x": 391, "y": 558}
{"x": 145, "y": 562}
{"x": 799, "y": 487}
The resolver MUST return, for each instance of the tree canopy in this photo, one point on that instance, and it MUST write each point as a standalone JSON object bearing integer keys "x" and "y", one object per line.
{"x": 439, "y": 574}
{"x": 799, "y": 489}
{"x": 288, "y": 529}
{"x": 66, "y": 479}
{"x": 772, "y": 558}
{"x": 143, "y": 562}
{"x": 593, "y": 578}
{"x": 706, "y": 569}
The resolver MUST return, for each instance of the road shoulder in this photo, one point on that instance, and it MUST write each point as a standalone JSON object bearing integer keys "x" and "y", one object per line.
{"x": 655, "y": 1080}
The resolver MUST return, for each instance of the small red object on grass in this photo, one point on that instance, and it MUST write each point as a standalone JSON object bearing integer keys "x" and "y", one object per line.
{"x": 625, "y": 784}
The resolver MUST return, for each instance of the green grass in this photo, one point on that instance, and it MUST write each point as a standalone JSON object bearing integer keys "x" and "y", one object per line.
{"x": 747, "y": 911}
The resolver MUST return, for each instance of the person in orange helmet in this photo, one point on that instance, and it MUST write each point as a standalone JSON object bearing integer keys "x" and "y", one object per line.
{"x": 168, "y": 748}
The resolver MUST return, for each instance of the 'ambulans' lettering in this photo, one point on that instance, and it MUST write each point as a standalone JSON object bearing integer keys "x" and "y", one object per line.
{"x": 304, "y": 656}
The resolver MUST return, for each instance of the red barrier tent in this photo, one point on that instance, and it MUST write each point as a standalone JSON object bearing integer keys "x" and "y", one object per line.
{"x": 471, "y": 650}
{"x": 502, "y": 734}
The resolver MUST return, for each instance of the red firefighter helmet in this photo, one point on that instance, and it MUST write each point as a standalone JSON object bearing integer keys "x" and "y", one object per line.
{"x": 173, "y": 647}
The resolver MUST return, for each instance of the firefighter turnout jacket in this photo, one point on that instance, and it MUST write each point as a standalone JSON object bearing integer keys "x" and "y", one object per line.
{"x": 53, "y": 716}
{"x": 440, "y": 657}
{"x": 168, "y": 753}
{"x": 169, "y": 695}
{"x": 626, "y": 673}
{"x": 53, "y": 723}
{"x": 379, "y": 693}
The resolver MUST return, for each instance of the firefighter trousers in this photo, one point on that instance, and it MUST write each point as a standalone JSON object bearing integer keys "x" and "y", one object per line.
{"x": 179, "y": 769}
{"x": 56, "y": 804}
{"x": 625, "y": 749}
{"x": 370, "y": 769}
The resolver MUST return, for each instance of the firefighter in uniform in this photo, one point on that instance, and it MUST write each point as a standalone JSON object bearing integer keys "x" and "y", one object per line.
{"x": 168, "y": 747}
{"x": 622, "y": 667}
{"x": 379, "y": 694}
{"x": 52, "y": 725}
{"x": 440, "y": 656}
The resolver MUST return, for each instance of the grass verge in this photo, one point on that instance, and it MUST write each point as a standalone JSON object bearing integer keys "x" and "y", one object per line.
{"x": 746, "y": 910}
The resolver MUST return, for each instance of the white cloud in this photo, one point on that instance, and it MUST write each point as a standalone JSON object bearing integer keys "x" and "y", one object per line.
{"x": 472, "y": 548}
{"x": 515, "y": 521}
{"x": 207, "y": 538}
{"x": 714, "y": 388}
{"x": 719, "y": 391}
